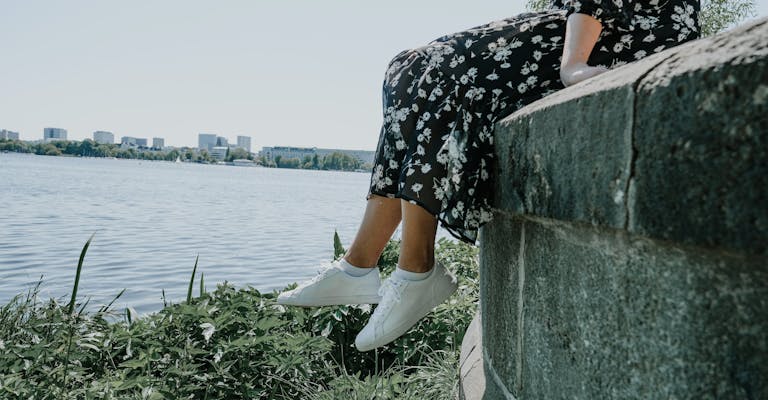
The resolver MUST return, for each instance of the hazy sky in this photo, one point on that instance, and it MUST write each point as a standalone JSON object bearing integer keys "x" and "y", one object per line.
{"x": 288, "y": 72}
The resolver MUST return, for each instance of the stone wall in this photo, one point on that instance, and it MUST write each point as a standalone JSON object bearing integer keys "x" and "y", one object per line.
{"x": 628, "y": 255}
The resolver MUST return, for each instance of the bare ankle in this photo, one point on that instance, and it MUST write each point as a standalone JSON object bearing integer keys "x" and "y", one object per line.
{"x": 360, "y": 262}
{"x": 411, "y": 264}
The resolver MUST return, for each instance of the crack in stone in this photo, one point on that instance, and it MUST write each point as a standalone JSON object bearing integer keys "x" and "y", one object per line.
{"x": 628, "y": 186}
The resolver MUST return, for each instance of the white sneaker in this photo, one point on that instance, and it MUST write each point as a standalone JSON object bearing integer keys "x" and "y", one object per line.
{"x": 403, "y": 304}
{"x": 333, "y": 286}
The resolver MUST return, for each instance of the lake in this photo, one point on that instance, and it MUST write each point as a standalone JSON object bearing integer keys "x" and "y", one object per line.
{"x": 254, "y": 226}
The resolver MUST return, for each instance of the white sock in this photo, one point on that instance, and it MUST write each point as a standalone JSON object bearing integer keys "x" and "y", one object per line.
{"x": 353, "y": 270}
{"x": 411, "y": 276}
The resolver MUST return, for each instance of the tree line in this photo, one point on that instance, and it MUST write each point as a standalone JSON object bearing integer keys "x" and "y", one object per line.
{"x": 334, "y": 161}
{"x": 89, "y": 148}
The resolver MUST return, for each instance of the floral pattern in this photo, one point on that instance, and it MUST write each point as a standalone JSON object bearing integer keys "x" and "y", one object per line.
{"x": 442, "y": 100}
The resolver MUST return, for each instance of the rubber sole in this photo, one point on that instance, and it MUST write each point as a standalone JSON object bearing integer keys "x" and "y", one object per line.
{"x": 330, "y": 301}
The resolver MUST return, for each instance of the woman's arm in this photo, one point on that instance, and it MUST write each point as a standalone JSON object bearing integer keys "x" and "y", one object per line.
{"x": 581, "y": 34}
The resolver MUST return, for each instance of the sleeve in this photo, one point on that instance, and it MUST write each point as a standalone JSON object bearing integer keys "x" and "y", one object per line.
{"x": 614, "y": 15}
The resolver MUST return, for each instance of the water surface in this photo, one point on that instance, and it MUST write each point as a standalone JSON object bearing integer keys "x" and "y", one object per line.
{"x": 250, "y": 226}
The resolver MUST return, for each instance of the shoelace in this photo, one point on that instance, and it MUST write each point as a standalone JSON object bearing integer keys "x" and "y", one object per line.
{"x": 322, "y": 272}
{"x": 391, "y": 291}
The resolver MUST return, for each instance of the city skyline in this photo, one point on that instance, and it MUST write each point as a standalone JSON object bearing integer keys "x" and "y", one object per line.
{"x": 205, "y": 141}
{"x": 100, "y": 136}
{"x": 195, "y": 67}
{"x": 107, "y": 137}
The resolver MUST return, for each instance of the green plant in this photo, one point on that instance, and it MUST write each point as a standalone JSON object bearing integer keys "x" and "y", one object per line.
{"x": 719, "y": 15}
{"x": 230, "y": 343}
{"x": 192, "y": 280}
{"x": 338, "y": 249}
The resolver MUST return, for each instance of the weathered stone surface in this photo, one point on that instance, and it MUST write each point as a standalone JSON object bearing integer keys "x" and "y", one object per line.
{"x": 674, "y": 146}
{"x": 628, "y": 256}
{"x": 562, "y": 157}
{"x": 499, "y": 294}
{"x": 610, "y": 315}
{"x": 701, "y": 143}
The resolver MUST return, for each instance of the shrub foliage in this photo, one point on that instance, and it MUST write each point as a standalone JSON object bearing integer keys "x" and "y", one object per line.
{"x": 231, "y": 343}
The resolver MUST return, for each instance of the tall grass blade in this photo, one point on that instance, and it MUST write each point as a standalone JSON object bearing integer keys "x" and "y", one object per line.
{"x": 192, "y": 280}
{"x": 106, "y": 308}
{"x": 202, "y": 284}
{"x": 77, "y": 275}
{"x": 71, "y": 307}
{"x": 82, "y": 306}
{"x": 338, "y": 249}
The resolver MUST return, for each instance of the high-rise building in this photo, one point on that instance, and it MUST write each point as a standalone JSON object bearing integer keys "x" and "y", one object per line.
{"x": 221, "y": 141}
{"x": 206, "y": 141}
{"x": 103, "y": 137}
{"x": 9, "y": 135}
{"x": 50, "y": 134}
{"x": 244, "y": 142}
{"x": 158, "y": 143}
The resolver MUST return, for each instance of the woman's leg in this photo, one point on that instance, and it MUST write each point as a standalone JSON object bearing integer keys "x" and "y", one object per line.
{"x": 382, "y": 215}
{"x": 410, "y": 293}
{"x": 417, "y": 247}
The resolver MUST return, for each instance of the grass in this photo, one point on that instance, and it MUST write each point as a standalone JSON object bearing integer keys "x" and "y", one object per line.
{"x": 230, "y": 343}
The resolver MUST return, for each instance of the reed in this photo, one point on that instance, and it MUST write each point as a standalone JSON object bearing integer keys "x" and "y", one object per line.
{"x": 192, "y": 280}
{"x": 71, "y": 306}
{"x": 77, "y": 274}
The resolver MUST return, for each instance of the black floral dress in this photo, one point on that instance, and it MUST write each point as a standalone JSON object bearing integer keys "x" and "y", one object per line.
{"x": 441, "y": 101}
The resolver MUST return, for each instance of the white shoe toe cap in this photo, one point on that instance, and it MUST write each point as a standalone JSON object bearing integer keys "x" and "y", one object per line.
{"x": 365, "y": 339}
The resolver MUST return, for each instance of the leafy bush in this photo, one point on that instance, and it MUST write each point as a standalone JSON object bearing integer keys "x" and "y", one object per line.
{"x": 231, "y": 343}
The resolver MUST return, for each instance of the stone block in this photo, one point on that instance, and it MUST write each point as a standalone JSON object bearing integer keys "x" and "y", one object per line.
{"x": 499, "y": 293}
{"x": 599, "y": 313}
{"x": 701, "y": 143}
{"x": 628, "y": 254}
{"x": 567, "y": 156}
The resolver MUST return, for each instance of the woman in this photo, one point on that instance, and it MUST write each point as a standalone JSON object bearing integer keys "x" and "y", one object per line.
{"x": 435, "y": 152}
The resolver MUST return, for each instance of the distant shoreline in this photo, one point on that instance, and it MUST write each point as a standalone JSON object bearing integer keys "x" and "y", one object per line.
{"x": 239, "y": 157}
{"x": 224, "y": 164}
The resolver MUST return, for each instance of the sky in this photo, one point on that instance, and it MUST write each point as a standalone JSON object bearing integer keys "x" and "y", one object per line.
{"x": 285, "y": 72}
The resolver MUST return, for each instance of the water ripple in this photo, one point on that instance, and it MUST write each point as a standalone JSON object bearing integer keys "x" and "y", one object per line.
{"x": 250, "y": 226}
